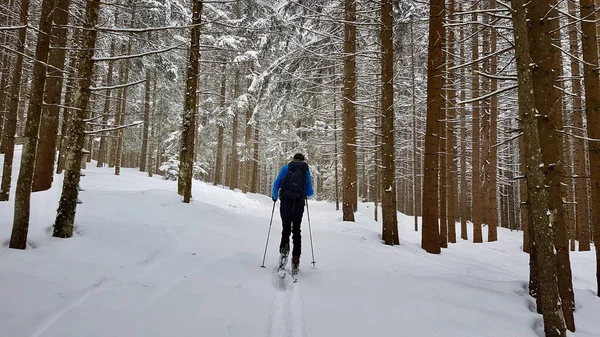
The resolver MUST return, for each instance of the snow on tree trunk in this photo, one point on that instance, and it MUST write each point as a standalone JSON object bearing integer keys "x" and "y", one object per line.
{"x": 188, "y": 130}
{"x": 18, "y": 238}
{"x": 541, "y": 218}
{"x": 65, "y": 217}
{"x": 8, "y": 137}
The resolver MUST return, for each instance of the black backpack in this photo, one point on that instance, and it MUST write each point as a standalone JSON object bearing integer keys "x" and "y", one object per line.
{"x": 294, "y": 183}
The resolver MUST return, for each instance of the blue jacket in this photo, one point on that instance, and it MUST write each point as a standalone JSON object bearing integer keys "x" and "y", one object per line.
{"x": 282, "y": 173}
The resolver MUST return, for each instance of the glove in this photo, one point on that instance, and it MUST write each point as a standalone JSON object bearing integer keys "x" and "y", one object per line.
{"x": 274, "y": 199}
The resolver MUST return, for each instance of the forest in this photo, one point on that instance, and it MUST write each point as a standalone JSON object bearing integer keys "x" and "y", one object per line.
{"x": 482, "y": 112}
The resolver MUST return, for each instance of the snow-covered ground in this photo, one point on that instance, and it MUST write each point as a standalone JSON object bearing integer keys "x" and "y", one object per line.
{"x": 144, "y": 264}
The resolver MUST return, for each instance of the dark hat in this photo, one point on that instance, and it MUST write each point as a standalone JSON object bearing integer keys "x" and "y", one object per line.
{"x": 299, "y": 156}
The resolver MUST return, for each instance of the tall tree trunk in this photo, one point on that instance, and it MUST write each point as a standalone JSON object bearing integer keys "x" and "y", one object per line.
{"x": 144, "y": 150}
{"x": 63, "y": 226}
{"x": 430, "y": 235}
{"x": 254, "y": 188}
{"x": 4, "y": 73}
{"x": 188, "y": 130}
{"x": 416, "y": 189}
{"x": 234, "y": 166}
{"x": 107, "y": 100}
{"x": 579, "y": 171}
{"x": 123, "y": 101}
{"x": 464, "y": 188}
{"x": 48, "y": 133}
{"x": 68, "y": 100}
{"x": 20, "y": 228}
{"x": 543, "y": 32}
{"x": 452, "y": 177}
{"x": 8, "y": 137}
{"x": 219, "y": 160}
{"x": 388, "y": 202}
{"x": 335, "y": 161}
{"x": 492, "y": 183}
{"x": 476, "y": 178}
{"x": 349, "y": 160}
{"x": 554, "y": 324}
{"x": 592, "y": 109}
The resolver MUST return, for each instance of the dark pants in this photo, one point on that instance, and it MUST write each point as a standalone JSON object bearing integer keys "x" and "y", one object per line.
{"x": 291, "y": 217}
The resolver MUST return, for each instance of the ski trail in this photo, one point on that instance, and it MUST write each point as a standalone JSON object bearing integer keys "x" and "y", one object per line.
{"x": 48, "y": 322}
{"x": 287, "y": 314}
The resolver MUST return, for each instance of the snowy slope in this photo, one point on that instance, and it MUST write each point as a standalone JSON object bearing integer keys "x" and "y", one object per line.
{"x": 144, "y": 264}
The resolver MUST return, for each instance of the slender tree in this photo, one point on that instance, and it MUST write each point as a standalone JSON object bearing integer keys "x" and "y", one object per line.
{"x": 8, "y": 136}
{"x": 20, "y": 227}
{"x": 349, "y": 158}
{"x": 592, "y": 109}
{"x": 435, "y": 102}
{"x": 388, "y": 201}
{"x": 65, "y": 217}
{"x": 554, "y": 324}
{"x": 48, "y": 134}
{"x": 189, "y": 120}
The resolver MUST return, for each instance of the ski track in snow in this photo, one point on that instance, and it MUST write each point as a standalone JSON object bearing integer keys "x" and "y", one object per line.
{"x": 287, "y": 316}
{"x": 53, "y": 318}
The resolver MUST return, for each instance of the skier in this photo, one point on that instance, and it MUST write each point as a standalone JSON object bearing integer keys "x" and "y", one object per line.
{"x": 295, "y": 184}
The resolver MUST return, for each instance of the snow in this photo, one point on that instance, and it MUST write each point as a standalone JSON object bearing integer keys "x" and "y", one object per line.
{"x": 142, "y": 263}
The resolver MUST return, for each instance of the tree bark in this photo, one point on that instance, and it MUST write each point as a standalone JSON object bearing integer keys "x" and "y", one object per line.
{"x": 48, "y": 133}
{"x": 349, "y": 160}
{"x": 476, "y": 173}
{"x": 20, "y": 227}
{"x": 388, "y": 202}
{"x": 188, "y": 131}
{"x": 592, "y": 109}
{"x": 452, "y": 178}
{"x": 63, "y": 226}
{"x": 102, "y": 152}
{"x": 219, "y": 160}
{"x": 554, "y": 324}
{"x": 8, "y": 137}
{"x": 430, "y": 235}
{"x": 234, "y": 161}
{"x": 464, "y": 188}
{"x": 144, "y": 150}
{"x": 492, "y": 172}
{"x": 543, "y": 32}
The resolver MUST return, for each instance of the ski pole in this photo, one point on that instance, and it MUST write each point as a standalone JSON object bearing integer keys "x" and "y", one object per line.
{"x": 268, "y": 234}
{"x": 310, "y": 234}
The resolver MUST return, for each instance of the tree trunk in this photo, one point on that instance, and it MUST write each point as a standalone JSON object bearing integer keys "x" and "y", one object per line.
{"x": 592, "y": 109}
{"x": 20, "y": 228}
{"x": 8, "y": 137}
{"x": 188, "y": 130}
{"x": 543, "y": 32}
{"x": 63, "y": 226}
{"x": 335, "y": 161}
{"x": 554, "y": 324}
{"x": 492, "y": 172}
{"x": 349, "y": 160}
{"x": 464, "y": 188}
{"x": 108, "y": 93}
{"x": 68, "y": 100}
{"x": 234, "y": 161}
{"x": 46, "y": 151}
{"x": 219, "y": 160}
{"x": 452, "y": 178}
{"x": 416, "y": 189}
{"x": 476, "y": 178}
{"x": 430, "y": 235}
{"x": 144, "y": 150}
{"x": 388, "y": 202}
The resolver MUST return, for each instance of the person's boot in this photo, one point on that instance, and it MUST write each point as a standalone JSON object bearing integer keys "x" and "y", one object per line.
{"x": 295, "y": 264}
{"x": 284, "y": 253}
